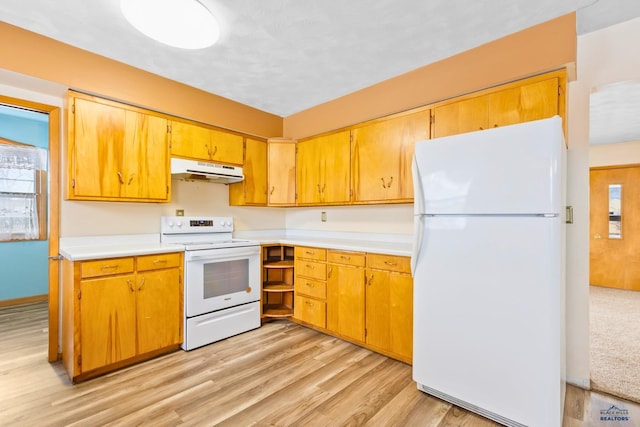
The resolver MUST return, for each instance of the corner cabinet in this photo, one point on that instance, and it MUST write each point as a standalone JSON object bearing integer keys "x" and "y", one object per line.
{"x": 116, "y": 152}
{"x": 252, "y": 191}
{"x": 277, "y": 281}
{"x": 281, "y": 172}
{"x": 120, "y": 311}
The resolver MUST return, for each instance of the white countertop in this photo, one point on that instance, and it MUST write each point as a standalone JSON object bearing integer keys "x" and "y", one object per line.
{"x": 390, "y": 244}
{"x": 97, "y": 247}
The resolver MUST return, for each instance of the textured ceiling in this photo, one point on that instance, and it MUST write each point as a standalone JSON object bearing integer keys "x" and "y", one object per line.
{"x": 284, "y": 56}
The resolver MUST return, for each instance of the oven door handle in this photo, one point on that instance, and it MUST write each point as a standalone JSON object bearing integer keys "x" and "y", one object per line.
{"x": 221, "y": 254}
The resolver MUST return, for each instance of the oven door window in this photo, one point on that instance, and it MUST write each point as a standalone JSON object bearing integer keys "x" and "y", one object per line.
{"x": 224, "y": 278}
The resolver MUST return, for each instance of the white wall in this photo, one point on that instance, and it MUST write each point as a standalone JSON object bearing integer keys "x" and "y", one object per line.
{"x": 622, "y": 153}
{"x": 605, "y": 56}
{"x": 82, "y": 218}
{"x": 385, "y": 219}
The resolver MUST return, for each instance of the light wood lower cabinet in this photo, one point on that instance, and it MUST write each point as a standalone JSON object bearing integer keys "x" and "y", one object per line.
{"x": 362, "y": 297}
{"x": 119, "y": 311}
{"x": 310, "y": 286}
{"x": 345, "y": 294}
{"x": 389, "y": 308}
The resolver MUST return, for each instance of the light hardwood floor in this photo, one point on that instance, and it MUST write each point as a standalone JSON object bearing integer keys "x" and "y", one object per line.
{"x": 279, "y": 375}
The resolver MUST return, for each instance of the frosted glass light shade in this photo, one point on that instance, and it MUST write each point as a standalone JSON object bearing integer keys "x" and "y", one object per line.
{"x": 185, "y": 24}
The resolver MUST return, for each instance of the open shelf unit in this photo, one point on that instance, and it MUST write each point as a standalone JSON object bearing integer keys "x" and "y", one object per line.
{"x": 277, "y": 281}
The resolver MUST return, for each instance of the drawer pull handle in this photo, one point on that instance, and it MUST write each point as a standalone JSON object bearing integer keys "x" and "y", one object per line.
{"x": 109, "y": 267}
{"x": 120, "y": 178}
{"x": 130, "y": 283}
{"x": 310, "y": 304}
{"x": 370, "y": 281}
{"x": 310, "y": 253}
{"x": 345, "y": 257}
{"x": 311, "y": 267}
{"x": 330, "y": 271}
{"x": 159, "y": 261}
{"x": 141, "y": 284}
{"x": 390, "y": 263}
{"x": 310, "y": 285}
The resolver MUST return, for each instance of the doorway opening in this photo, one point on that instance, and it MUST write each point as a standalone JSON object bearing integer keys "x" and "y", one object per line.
{"x": 614, "y": 277}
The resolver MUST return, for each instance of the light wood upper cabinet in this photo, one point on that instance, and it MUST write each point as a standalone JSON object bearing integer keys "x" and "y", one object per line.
{"x": 463, "y": 116}
{"x": 116, "y": 152}
{"x": 281, "y": 172}
{"x": 253, "y": 190}
{"x": 323, "y": 169}
{"x": 200, "y": 142}
{"x": 382, "y": 153}
{"x": 524, "y": 103}
{"x": 516, "y": 103}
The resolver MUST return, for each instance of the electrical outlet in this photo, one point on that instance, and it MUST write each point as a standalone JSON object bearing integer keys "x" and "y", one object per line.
{"x": 179, "y": 212}
{"x": 323, "y": 216}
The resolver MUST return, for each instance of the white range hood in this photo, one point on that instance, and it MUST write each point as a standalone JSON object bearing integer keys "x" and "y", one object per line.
{"x": 213, "y": 172}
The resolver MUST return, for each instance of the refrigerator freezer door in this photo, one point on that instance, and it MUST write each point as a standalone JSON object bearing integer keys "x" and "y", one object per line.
{"x": 508, "y": 170}
{"x": 487, "y": 295}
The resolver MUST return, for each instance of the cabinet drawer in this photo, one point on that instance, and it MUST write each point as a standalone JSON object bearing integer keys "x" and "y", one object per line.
{"x": 105, "y": 267}
{"x": 156, "y": 261}
{"x": 310, "y": 311}
{"x": 312, "y": 288}
{"x": 400, "y": 264}
{"x": 310, "y": 253}
{"x": 311, "y": 269}
{"x": 346, "y": 257}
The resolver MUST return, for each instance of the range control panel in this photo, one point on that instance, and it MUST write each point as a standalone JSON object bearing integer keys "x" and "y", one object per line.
{"x": 193, "y": 224}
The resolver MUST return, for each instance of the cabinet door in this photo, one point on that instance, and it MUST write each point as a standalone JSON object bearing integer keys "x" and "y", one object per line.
{"x": 401, "y": 316}
{"x": 203, "y": 143}
{"x": 117, "y": 153}
{"x": 253, "y": 190}
{"x": 345, "y": 301}
{"x": 460, "y": 117}
{"x": 107, "y": 321}
{"x": 281, "y": 173}
{"x": 378, "y": 310}
{"x": 382, "y": 153}
{"x": 145, "y": 171}
{"x": 323, "y": 174}
{"x": 159, "y": 310}
{"x": 97, "y": 149}
{"x": 525, "y": 103}
{"x": 389, "y": 312}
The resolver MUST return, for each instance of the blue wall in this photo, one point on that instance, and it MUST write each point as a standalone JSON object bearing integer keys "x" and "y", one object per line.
{"x": 24, "y": 265}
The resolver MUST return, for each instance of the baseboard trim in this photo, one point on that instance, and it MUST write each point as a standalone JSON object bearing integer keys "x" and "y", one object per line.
{"x": 23, "y": 300}
{"x": 583, "y": 383}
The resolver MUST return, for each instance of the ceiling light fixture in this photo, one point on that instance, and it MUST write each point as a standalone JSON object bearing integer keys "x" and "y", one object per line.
{"x": 185, "y": 24}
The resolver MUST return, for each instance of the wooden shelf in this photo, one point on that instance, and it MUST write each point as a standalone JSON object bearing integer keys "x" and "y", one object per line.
{"x": 277, "y": 310}
{"x": 277, "y": 281}
{"x": 277, "y": 287}
{"x": 279, "y": 264}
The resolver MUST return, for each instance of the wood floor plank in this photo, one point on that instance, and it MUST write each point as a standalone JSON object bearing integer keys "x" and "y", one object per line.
{"x": 281, "y": 374}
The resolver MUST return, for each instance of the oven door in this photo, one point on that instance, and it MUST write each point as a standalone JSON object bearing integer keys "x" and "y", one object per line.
{"x": 220, "y": 278}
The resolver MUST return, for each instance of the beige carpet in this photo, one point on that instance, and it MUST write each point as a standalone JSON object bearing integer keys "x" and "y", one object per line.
{"x": 615, "y": 342}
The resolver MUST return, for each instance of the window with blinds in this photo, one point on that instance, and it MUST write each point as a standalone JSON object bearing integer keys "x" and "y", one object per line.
{"x": 22, "y": 192}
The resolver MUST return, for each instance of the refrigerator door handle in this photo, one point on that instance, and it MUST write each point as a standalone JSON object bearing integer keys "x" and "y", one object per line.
{"x": 418, "y": 211}
{"x": 418, "y": 233}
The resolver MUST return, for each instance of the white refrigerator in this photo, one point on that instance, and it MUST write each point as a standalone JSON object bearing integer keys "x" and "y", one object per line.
{"x": 488, "y": 268}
